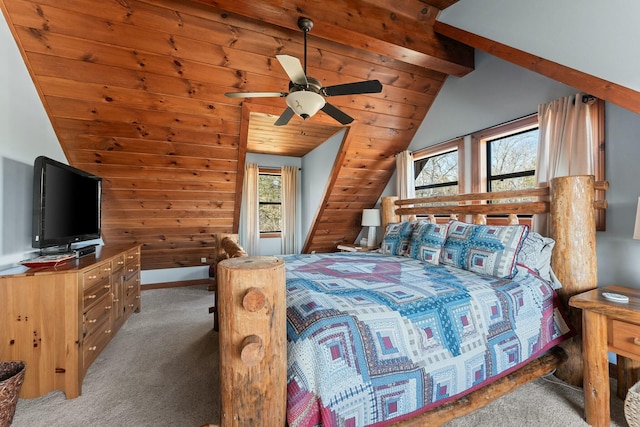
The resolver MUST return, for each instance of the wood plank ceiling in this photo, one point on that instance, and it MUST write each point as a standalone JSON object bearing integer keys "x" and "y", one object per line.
{"x": 135, "y": 90}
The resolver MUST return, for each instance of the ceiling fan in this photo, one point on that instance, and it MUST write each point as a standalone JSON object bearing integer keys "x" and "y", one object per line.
{"x": 306, "y": 95}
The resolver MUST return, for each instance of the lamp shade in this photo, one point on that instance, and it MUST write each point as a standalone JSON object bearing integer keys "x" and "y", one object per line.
{"x": 636, "y": 229}
{"x": 371, "y": 217}
{"x": 305, "y": 103}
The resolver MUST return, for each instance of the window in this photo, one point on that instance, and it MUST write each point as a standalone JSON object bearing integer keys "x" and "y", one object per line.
{"x": 438, "y": 170}
{"x": 505, "y": 156}
{"x": 269, "y": 201}
{"x": 511, "y": 161}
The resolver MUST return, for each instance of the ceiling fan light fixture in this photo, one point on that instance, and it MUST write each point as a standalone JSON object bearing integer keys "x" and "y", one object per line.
{"x": 305, "y": 103}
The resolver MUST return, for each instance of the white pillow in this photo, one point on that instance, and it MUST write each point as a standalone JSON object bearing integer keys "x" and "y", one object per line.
{"x": 535, "y": 254}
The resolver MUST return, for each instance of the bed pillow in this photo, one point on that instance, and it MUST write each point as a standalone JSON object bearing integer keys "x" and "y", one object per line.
{"x": 397, "y": 238}
{"x": 427, "y": 240}
{"x": 536, "y": 254}
{"x": 484, "y": 249}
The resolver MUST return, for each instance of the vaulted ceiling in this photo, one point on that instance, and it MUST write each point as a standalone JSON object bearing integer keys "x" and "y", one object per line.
{"x": 135, "y": 90}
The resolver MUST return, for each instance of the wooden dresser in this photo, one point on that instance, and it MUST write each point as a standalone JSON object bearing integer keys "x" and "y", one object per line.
{"x": 58, "y": 319}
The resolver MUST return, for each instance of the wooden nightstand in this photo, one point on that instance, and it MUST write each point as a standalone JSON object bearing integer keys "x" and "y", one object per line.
{"x": 608, "y": 326}
{"x": 351, "y": 247}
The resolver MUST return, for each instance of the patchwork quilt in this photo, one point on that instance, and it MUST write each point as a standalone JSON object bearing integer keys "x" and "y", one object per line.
{"x": 374, "y": 339}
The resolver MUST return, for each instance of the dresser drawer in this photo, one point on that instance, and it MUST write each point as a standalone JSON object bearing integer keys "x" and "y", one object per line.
{"x": 95, "y": 293}
{"x": 625, "y": 338}
{"x": 96, "y": 315}
{"x": 95, "y": 341}
{"x": 95, "y": 275}
{"x": 118, "y": 263}
{"x": 131, "y": 286}
{"x": 132, "y": 263}
{"x": 132, "y": 294}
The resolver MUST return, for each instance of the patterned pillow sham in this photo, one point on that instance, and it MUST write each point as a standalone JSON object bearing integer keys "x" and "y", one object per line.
{"x": 536, "y": 254}
{"x": 397, "y": 238}
{"x": 484, "y": 249}
{"x": 427, "y": 240}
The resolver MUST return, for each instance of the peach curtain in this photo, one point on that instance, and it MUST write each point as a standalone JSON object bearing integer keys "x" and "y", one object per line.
{"x": 249, "y": 233}
{"x": 567, "y": 142}
{"x": 405, "y": 178}
{"x": 289, "y": 209}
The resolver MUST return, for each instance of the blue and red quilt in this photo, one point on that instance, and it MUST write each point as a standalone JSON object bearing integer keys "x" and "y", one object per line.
{"x": 374, "y": 339}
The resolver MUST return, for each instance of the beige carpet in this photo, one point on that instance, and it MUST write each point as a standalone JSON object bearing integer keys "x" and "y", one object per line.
{"x": 161, "y": 370}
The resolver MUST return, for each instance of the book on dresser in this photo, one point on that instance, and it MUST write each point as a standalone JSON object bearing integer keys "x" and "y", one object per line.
{"x": 48, "y": 260}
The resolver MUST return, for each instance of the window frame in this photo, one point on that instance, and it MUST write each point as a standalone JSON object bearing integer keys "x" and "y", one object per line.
{"x": 269, "y": 171}
{"x": 480, "y": 161}
{"x": 443, "y": 148}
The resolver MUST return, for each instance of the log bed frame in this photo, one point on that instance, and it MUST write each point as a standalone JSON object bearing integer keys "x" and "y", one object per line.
{"x": 571, "y": 203}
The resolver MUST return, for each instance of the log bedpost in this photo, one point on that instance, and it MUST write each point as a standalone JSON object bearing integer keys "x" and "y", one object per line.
{"x": 573, "y": 227}
{"x": 388, "y": 211}
{"x": 253, "y": 353}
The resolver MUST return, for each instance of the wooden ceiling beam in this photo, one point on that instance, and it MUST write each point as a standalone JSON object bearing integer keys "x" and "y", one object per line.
{"x": 603, "y": 89}
{"x": 371, "y": 26}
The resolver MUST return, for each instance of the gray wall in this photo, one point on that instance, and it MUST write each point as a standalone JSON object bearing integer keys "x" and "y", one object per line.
{"x": 495, "y": 92}
{"x": 597, "y": 38}
{"x": 618, "y": 253}
{"x": 316, "y": 167}
{"x": 25, "y": 133}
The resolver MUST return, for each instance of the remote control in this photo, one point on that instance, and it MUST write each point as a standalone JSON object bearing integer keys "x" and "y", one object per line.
{"x": 615, "y": 297}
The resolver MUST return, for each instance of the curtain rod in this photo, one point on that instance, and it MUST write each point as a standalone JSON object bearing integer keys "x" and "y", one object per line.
{"x": 273, "y": 167}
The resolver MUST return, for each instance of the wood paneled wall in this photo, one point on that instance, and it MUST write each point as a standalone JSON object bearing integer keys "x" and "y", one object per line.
{"x": 135, "y": 92}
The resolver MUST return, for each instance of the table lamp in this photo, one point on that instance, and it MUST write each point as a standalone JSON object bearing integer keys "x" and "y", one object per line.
{"x": 371, "y": 219}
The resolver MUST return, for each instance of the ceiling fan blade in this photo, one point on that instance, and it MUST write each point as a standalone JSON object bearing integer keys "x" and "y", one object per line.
{"x": 285, "y": 117}
{"x": 256, "y": 94}
{"x": 369, "y": 86}
{"x": 337, "y": 114}
{"x": 293, "y": 68}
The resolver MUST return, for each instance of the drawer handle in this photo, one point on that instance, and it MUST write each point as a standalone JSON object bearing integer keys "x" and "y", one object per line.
{"x": 108, "y": 331}
{"x": 115, "y": 299}
{"x": 93, "y": 348}
{"x": 92, "y": 277}
{"x": 92, "y": 320}
{"x": 130, "y": 305}
{"x": 130, "y": 287}
{"x": 137, "y": 296}
{"x": 636, "y": 341}
{"x": 107, "y": 286}
{"x": 92, "y": 296}
{"x": 107, "y": 307}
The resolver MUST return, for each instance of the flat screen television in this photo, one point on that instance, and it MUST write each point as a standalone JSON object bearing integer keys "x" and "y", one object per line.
{"x": 66, "y": 205}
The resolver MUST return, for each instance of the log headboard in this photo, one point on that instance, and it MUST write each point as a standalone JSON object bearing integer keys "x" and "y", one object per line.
{"x": 569, "y": 201}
